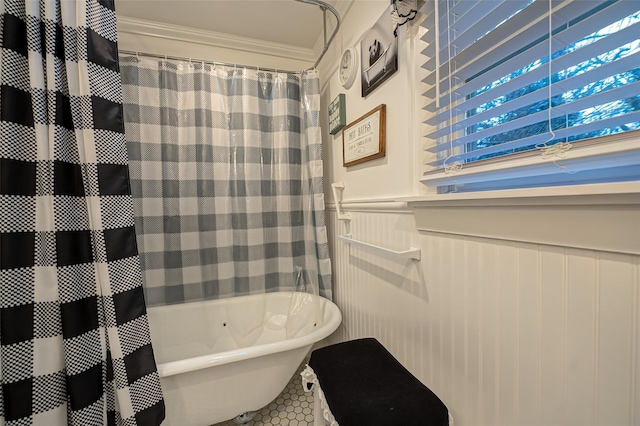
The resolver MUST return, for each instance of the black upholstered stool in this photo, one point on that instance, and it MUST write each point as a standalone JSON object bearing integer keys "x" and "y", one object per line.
{"x": 364, "y": 385}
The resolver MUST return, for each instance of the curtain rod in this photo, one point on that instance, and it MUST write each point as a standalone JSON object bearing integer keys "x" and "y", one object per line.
{"x": 321, "y": 4}
{"x": 324, "y": 7}
{"x": 208, "y": 62}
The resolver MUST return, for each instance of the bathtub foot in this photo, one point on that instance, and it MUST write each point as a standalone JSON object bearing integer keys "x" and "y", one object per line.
{"x": 245, "y": 418}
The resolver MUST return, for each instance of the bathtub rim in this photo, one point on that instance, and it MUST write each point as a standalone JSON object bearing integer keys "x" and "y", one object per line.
{"x": 333, "y": 318}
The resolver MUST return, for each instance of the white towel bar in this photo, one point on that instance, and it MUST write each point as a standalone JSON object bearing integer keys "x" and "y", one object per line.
{"x": 412, "y": 253}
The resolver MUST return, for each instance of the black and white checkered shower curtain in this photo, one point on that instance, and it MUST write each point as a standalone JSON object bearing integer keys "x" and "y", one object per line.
{"x": 226, "y": 174}
{"x": 74, "y": 337}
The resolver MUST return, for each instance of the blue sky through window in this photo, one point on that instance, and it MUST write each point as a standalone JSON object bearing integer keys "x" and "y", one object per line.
{"x": 614, "y": 104}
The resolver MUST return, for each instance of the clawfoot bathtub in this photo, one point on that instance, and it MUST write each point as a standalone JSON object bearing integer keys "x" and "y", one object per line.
{"x": 221, "y": 358}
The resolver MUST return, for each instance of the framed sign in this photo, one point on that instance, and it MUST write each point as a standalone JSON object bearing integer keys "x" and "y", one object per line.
{"x": 337, "y": 114}
{"x": 364, "y": 139}
{"x": 378, "y": 54}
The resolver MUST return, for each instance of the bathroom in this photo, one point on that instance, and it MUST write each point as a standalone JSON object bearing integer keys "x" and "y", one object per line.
{"x": 522, "y": 304}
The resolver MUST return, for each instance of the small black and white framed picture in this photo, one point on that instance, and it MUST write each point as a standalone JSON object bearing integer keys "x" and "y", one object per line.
{"x": 378, "y": 54}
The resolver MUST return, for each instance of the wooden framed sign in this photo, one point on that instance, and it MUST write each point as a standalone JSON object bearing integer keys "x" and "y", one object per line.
{"x": 364, "y": 139}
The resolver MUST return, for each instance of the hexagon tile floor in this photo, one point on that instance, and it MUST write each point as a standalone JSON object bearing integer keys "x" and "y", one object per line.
{"x": 293, "y": 407}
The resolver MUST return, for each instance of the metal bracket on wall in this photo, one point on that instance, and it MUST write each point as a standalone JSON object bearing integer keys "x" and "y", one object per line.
{"x": 338, "y": 200}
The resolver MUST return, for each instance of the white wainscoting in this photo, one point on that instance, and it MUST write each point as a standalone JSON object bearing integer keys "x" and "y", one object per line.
{"x": 506, "y": 333}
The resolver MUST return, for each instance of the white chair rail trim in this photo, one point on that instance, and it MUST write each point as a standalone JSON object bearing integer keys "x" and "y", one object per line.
{"x": 602, "y": 217}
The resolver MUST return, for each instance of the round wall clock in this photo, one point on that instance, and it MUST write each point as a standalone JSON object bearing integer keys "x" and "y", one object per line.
{"x": 348, "y": 67}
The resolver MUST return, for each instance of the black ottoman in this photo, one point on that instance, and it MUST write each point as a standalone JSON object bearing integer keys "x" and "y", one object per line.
{"x": 364, "y": 385}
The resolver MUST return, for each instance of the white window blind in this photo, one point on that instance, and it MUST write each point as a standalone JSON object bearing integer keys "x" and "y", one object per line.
{"x": 530, "y": 93}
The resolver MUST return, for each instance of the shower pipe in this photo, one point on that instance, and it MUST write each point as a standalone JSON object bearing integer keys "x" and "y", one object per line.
{"x": 321, "y": 4}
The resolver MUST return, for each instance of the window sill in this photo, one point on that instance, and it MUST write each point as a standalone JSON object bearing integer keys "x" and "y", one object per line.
{"x": 602, "y": 217}
{"x": 603, "y": 193}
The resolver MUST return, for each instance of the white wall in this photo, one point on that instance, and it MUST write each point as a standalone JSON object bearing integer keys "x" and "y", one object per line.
{"x": 395, "y": 174}
{"x": 507, "y": 331}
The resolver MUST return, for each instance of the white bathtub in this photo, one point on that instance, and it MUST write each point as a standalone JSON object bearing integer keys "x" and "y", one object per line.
{"x": 220, "y": 358}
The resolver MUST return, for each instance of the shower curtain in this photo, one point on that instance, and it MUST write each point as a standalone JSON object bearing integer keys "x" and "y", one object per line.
{"x": 226, "y": 174}
{"x": 74, "y": 339}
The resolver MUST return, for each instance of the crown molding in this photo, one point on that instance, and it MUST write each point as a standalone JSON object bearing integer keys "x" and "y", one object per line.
{"x": 212, "y": 38}
{"x": 329, "y": 63}
{"x": 342, "y": 7}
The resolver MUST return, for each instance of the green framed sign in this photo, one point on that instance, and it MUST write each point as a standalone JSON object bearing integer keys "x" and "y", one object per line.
{"x": 337, "y": 114}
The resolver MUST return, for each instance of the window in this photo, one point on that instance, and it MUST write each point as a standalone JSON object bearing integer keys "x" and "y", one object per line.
{"x": 532, "y": 93}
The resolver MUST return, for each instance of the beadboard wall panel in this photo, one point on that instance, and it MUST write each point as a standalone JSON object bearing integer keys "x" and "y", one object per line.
{"x": 506, "y": 333}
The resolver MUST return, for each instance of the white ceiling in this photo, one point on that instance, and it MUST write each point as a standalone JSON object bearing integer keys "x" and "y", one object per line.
{"x": 285, "y": 22}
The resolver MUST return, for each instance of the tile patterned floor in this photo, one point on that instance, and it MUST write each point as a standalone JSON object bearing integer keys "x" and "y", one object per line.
{"x": 293, "y": 407}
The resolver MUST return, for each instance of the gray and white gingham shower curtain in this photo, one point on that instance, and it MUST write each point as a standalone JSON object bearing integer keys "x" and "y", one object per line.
{"x": 74, "y": 338}
{"x": 226, "y": 174}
